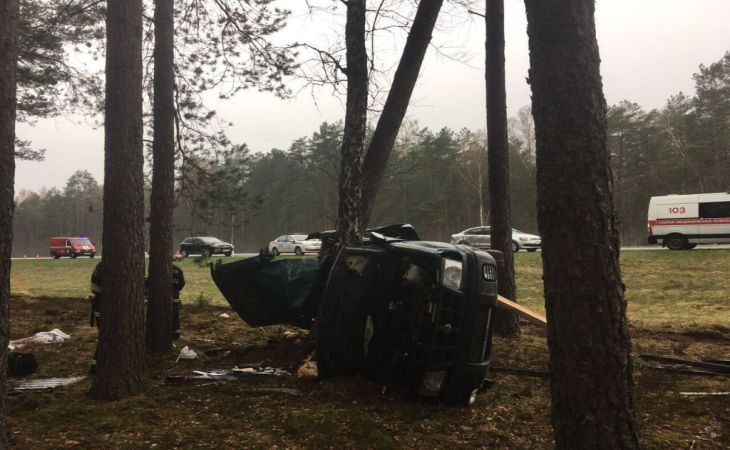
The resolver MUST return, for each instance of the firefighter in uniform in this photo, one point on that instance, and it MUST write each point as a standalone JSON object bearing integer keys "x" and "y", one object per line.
{"x": 178, "y": 282}
{"x": 97, "y": 288}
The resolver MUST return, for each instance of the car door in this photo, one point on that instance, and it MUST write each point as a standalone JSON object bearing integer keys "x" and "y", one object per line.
{"x": 289, "y": 244}
{"x": 480, "y": 237}
{"x": 197, "y": 246}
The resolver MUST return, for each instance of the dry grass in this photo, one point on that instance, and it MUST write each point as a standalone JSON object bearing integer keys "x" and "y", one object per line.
{"x": 341, "y": 413}
{"x": 664, "y": 289}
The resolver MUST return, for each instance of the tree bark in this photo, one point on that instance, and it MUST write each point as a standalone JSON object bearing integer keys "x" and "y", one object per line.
{"x": 120, "y": 363}
{"x": 396, "y": 104}
{"x": 588, "y": 336}
{"x": 349, "y": 223}
{"x": 8, "y": 64}
{"x": 159, "y": 308}
{"x": 505, "y": 323}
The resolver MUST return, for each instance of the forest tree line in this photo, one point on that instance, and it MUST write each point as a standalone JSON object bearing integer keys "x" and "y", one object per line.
{"x": 436, "y": 179}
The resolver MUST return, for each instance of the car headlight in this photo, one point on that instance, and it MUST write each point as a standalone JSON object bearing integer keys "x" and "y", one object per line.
{"x": 451, "y": 271}
{"x": 432, "y": 381}
{"x": 525, "y": 239}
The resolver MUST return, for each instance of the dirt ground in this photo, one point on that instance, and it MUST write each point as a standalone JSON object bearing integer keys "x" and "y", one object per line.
{"x": 339, "y": 413}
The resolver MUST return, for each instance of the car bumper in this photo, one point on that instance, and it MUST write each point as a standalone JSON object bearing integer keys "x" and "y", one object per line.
{"x": 530, "y": 244}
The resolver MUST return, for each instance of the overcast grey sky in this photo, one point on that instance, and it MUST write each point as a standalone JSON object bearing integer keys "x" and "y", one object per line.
{"x": 649, "y": 51}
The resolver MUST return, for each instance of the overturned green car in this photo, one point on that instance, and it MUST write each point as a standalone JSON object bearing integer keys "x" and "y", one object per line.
{"x": 417, "y": 315}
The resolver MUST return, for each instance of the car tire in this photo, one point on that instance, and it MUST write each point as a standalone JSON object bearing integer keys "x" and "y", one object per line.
{"x": 515, "y": 247}
{"x": 275, "y": 251}
{"x": 91, "y": 256}
{"x": 206, "y": 253}
{"x": 676, "y": 242}
{"x": 227, "y": 254}
{"x": 55, "y": 255}
{"x": 73, "y": 255}
{"x": 691, "y": 246}
{"x": 298, "y": 251}
{"x": 184, "y": 253}
{"x": 531, "y": 250}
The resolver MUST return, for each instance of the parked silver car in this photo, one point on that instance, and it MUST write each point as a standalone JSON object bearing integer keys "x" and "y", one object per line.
{"x": 294, "y": 243}
{"x": 481, "y": 237}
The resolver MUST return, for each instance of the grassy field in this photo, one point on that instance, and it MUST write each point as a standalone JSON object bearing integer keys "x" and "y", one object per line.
{"x": 664, "y": 288}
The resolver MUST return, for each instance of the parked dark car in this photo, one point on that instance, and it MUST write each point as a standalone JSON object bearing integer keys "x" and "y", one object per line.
{"x": 416, "y": 315}
{"x": 206, "y": 246}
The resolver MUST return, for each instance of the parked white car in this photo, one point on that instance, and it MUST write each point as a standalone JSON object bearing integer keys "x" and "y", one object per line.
{"x": 481, "y": 237}
{"x": 294, "y": 243}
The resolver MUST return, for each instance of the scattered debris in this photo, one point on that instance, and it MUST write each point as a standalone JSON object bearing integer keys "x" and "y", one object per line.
{"x": 21, "y": 364}
{"x": 292, "y": 336}
{"x": 708, "y": 366}
{"x": 707, "y": 434}
{"x": 187, "y": 353}
{"x": 260, "y": 371}
{"x": 54, "y": 336}
{"x": 308, "y": 371}
{"x": 40, "y": 384}
{"x": 224, "y": 374}
{"x": 691, "y": 394}
{"x": 224, "y": 316}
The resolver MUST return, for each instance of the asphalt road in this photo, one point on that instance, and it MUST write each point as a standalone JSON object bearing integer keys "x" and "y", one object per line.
{"x": 624, "y": 249}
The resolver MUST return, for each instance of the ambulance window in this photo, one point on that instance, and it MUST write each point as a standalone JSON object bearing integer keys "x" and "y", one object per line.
{"x": 714, "y": 210}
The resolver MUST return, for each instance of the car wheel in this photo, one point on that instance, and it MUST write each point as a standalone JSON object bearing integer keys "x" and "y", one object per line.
{"x": 463, "y": 243}
{"x": 531, "y": 250}
{"x": 206, "y": 253}
{"x": 227, "y": 254}
{"x": 298, "y": 251}
{"x": 55, "y": 255}
{"x": 515, "y": 247}
{"x": 676, "y": 242}
{"x": 73, "y": 255}
{"x": 275, "y": 251}
{"x": 184, "y": 253}
{"x": 91, "y": 256}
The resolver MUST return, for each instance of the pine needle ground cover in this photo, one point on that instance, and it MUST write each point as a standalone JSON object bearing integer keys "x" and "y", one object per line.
{"x": 678, "y": 306}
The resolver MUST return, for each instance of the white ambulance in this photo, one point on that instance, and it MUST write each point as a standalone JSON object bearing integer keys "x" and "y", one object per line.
{"x": 680, "y": 222}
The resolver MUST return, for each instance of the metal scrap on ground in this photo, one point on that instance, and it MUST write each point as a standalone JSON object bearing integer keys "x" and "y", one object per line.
{"x": 40, "y": 384}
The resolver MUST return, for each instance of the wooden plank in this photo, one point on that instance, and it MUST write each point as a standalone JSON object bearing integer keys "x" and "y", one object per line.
{"x": 526, "y": 313}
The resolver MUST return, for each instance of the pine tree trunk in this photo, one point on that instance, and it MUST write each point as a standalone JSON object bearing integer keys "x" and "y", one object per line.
{"x": 159, "y": 308}
{"x": 505, "y": 322}
{"x": 349, "y": 223}
{"x": 8, "y": 65}
{"x": 588, "y": 336}
{"x": 120, "y": 362}
{"x": 396, "y": 104}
